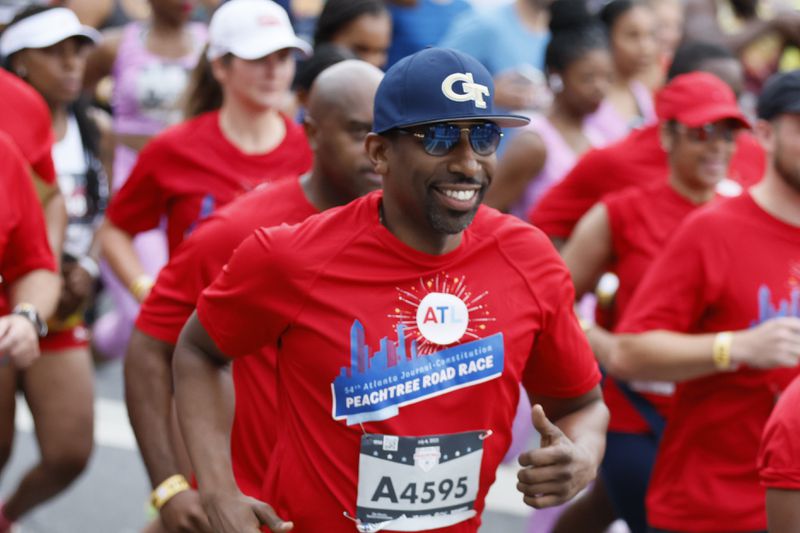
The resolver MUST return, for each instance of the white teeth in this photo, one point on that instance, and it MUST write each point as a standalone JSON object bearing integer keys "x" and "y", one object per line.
{"x": 459, "y": 195}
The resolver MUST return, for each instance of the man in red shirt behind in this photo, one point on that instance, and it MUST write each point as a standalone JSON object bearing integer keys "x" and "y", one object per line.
{"x": 339, "y": 117}
{"x": 639, "y": 160}
{"x": 404, "y": 323}
{"x": 719, "y": 313}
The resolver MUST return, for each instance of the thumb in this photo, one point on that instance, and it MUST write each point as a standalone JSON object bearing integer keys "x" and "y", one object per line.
{"x": 267, "y": 516}
{"x": 547, "y": 430}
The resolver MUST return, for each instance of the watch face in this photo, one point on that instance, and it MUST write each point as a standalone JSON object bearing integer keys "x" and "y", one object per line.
{"x": 31, "y": 314}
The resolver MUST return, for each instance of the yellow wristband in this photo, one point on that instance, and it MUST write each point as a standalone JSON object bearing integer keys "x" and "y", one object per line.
{"x": 141, "y": 286}
{"x": 167, "y": 489}
{"x": 721, "y": 351}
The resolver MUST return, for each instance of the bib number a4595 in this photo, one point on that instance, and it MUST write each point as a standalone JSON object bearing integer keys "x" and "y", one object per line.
{"x": 418, "y": 483}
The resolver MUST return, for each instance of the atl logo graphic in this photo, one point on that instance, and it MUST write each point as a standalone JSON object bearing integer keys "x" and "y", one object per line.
{"x": 470, "y": 90}
{"x": 442, "y": 318}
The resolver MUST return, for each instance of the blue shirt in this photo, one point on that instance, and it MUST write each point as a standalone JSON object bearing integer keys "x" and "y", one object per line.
{"x": 497, "y": 38}
{"x": 423, "y": 25}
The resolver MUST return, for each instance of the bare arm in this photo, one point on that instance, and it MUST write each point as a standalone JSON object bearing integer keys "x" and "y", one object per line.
{"x": 101, "y": 60}
{"x": 149, "y": 398}
{"x": 91, "y": 12}
{"x": 116, "y": 246}
{"x": 588, "y": 251}
{"x": 571, "y": 448}
{"x": 198, "y": 368}
{"x": 18, "y": 336}
{"x": 55, "y": 219}
{"x": 783, "y": 510}
{"x": 522, "y": 161}
{"x": 701, "y": 24}
{"x": 669, "y": 356}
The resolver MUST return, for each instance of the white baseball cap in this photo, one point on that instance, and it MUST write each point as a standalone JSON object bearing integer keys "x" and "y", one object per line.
{"x": 250, "y": 29}
{"x": 44, "y": 29}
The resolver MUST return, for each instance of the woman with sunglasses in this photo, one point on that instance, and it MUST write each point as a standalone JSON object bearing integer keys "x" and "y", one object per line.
{"x": 580, "y": 71}
{"x": 623, "y": 234}
{"x": 235, "y": 139}
{"x": 47, "y": 47}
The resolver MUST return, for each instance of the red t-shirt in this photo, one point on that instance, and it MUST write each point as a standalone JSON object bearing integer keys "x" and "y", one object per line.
{"x": 23, "y": 238}
{"x": 339, "y": 287}
{"x": 779, "y": 457}
{"x": 193, "y": 266}
{"x": 191, "y": 169}
{"x": 636, "y": 160}
{"x": 25, "y": 118}
{"x": 641, "y": 221}
{"x": 730, "y": 266}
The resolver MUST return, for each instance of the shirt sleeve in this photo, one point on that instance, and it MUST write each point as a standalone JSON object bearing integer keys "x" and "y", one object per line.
{"x": 140, "y": 203}
{"x": 779, "y": 457}
{"x": 28, "y": 248}
{"x": 562, "y": 364}
{"x": 192, "y": 268}
{"x": 681, "y": 284}
{"x": 253, "y": 299}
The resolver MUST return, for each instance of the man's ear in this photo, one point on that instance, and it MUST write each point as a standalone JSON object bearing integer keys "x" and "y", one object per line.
{"x": 765, "y": 132}
{"x": 311, "y": 129}
{"x": 378, "y": 148}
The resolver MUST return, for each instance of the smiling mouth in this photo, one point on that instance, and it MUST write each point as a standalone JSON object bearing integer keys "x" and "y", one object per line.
{"x": 460, "y": 195}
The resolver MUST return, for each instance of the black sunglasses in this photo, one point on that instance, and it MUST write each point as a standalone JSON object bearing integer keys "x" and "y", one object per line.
{"x": 441, "y": 138}
{"x": 710, "y": 132}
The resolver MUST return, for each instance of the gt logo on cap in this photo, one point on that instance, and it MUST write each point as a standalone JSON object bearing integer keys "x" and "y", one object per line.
{"x": 471, "y": 90}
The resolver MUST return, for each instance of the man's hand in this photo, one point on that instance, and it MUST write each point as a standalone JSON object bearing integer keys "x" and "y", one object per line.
{"x": 557, "y": 471}
{"x": 18, "y": 340}
{"x": 775, "y": 343}
{"x": 184, "y": 513}
{"x": 77, "y": 287}
{"x": 237, "y": 513}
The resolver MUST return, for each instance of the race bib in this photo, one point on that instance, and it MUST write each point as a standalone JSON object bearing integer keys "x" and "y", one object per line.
{"x": 418, "y": 483}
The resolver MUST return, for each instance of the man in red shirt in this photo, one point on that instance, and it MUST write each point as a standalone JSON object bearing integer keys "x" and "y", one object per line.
{"x": 779, "y": 462}
{"x": 339, "y": 117}
{"x": 639, "y": 160}
{"x": 719, "y": 312}
{"x": 404, "y": 323}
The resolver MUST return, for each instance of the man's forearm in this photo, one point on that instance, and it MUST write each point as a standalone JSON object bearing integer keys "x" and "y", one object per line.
{"x": 149, "y": 397}
{"x": 40, "y": 288}
{"x": 117, "y": 248}
{"x": 587, "y": 428}
{"x": 203, "y": 408}
{"x": 662, "y": 355}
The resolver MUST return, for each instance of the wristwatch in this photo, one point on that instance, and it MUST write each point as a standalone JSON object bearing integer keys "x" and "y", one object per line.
{"x": 30, "y": 312}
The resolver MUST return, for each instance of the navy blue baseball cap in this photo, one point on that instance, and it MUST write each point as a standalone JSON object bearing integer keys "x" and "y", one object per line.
{"x": 437, "y": 85}
{"x": 780, "y": 94}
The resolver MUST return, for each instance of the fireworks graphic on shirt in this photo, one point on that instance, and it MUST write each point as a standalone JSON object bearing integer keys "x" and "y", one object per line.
{"x": 409, "y": 300}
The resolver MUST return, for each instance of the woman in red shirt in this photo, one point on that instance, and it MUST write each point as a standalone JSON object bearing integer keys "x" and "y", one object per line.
{"x": 236, "y": 139}
{"x": 623, "y": 234}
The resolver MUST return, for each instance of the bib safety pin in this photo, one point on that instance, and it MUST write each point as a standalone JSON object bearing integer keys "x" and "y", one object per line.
{"x": 486, "y": 434}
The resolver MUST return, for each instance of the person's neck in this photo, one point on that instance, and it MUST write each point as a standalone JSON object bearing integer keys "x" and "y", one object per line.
{"x": 59, "y": 115}
{"x": 534, "y": 17}
{"x": 777, "y": 198}
{"x": 165, "y": 28}
{"x": 251, "y": 131}
{"x": 422, "y": 239}
{"x": 696, "y": 195}
{"x": 562, "y": 116}
{"x": 317, "y": 190}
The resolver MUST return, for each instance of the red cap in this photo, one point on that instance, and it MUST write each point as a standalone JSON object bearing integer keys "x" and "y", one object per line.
{"x": 696, "y": 99}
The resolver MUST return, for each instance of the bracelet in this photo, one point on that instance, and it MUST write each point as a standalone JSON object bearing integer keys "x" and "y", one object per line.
{"x": 167, "y": 489}
{"x": 585, "y": 324}
{"x": 90, "y": 266}
{"x": 721, "y": 351}
{"x": 141, "y": 286}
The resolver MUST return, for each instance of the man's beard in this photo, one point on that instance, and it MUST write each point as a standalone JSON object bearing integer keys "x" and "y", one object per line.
{"x": 445, "y": 221}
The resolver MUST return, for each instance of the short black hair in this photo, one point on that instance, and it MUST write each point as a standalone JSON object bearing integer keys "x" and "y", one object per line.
{"x": 574, "y": 32}
{"x": 325, "y": 55}
{"x": 691, "y": 55}
{"x": 339, "y": 13}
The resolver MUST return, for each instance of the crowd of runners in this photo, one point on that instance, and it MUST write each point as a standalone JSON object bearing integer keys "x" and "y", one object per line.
{"x": 356, "y": 254}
